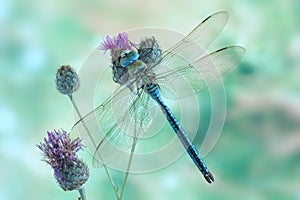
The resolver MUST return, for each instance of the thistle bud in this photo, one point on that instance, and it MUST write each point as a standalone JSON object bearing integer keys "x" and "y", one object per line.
{"x": 73, "y": 176}
{"x": 67, "y": 80}
{"x": 149, "y": 50}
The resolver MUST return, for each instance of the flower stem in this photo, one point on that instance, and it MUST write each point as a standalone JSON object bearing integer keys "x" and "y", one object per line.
{"x": 134, "y": 142}
{"x": 128, "y": 167}
{"x": 82, "y": 193}
{"x": 87, "y": 130}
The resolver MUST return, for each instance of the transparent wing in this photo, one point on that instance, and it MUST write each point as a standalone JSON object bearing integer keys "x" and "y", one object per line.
{"x": 189, "y": 78}
{"x": 113, "y": 125}
{"x": 119, "y": 138}
{"x": 195, "y": 43}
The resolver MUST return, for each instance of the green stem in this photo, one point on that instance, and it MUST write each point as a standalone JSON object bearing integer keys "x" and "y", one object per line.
{"x": 134, "y": 142}
{"x": 82, "y": 193}
{"x": 87, "y": 130}
{"x": 128, "y": 167}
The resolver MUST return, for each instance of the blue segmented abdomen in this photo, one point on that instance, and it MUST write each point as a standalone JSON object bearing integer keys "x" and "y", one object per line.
{"x": 153, "y": 91}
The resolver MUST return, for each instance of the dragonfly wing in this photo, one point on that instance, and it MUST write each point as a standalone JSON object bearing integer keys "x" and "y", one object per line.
{"x": 101, "y": 119}
{"x": 191, "y": 78}
{"x": 119, "y": 138}
{"x": 112, "y": 125}
{"x": 195, "y": 43}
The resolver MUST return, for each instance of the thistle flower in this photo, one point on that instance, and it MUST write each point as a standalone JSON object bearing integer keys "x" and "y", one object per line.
{"x": 149, "y": 50}
{"x": 60, "y": 153}
{"x": 116, "y": 44}
{"x": 67, "y": 80}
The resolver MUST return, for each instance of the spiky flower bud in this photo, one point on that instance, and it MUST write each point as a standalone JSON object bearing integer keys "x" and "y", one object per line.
{"x": 73, "y": 176}
{"x": 149, "y": 50}
{"x": 67, "y": 80}
{"x": 60, "y": 153}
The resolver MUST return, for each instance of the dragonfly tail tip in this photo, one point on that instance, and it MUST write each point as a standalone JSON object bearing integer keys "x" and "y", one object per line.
{"x": 209, "y": 177}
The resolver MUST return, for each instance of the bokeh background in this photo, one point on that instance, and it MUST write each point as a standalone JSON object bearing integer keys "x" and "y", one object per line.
{"x": 258, "y": 153}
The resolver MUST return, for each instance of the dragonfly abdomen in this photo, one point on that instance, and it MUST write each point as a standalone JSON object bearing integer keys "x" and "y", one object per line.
{"x": 153, "y": 91}
{"x": 194, "y": 154}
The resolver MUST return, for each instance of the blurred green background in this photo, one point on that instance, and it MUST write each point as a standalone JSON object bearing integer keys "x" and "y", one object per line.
{"x": 258, "y": 153}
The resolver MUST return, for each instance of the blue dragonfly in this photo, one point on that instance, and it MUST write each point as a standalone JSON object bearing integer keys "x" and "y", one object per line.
{"x": 144, "y": 74}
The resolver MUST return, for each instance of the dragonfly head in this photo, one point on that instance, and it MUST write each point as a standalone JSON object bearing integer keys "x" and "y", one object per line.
{"x": 127, "y": 57}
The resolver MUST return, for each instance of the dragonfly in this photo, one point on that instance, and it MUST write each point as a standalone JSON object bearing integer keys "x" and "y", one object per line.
{"x": 124, "y": 116}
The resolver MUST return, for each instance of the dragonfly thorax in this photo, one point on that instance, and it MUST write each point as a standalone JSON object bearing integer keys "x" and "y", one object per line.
{"x": 129, "y": 67}
{"x": 121, "y": 65}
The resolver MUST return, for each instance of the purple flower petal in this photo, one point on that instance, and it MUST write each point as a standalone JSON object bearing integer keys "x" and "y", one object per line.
{"x": 120, "y": 41}
{"x": 59, "y": 149}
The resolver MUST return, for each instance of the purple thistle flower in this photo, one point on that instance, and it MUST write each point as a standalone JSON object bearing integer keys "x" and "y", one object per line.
{"x": 108, "y": 43}
{"x": 59, "y": 150}
{"x": 116, "y": 44}
{"x": 60, "y": 153}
